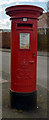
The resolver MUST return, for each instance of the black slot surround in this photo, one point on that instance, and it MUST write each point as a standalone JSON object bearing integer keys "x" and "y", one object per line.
{"x": 24, "y": 25}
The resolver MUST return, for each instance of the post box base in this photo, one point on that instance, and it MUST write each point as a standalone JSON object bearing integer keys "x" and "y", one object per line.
{"x": 23, "y": 101}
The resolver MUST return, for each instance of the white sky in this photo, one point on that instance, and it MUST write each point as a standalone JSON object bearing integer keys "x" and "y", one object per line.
{"x": 4, "y": 21}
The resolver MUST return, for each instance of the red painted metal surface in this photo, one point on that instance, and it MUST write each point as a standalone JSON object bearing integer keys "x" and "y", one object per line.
{"x": 23, "y": 61}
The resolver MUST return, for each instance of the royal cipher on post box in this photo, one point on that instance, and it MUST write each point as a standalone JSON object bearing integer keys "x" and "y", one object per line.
{"x": 24, "y": 20}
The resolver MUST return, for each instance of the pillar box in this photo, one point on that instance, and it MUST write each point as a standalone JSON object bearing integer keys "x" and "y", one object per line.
{"x": 24, "y": 20}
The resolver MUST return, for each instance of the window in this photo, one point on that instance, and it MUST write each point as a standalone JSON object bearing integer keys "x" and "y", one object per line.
{"x": 24, "y": 40}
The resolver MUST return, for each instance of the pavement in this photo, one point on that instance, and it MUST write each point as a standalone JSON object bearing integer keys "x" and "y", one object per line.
{"x": 42, "y": 90}
{"x": 8, "y": 112}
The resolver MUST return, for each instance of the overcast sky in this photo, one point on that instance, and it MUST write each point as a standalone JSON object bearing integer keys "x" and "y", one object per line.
{"x": 4, "y": 19}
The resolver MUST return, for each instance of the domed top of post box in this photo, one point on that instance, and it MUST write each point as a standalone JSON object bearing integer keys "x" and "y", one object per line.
{"x": 24, "y": 11}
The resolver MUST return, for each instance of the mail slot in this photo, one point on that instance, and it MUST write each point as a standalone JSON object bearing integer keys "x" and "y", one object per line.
{"x": 23, "y": 89}
{"x": 24, "y": 25}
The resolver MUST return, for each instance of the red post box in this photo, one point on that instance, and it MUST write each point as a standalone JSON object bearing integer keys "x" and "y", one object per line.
{"x": 23, "y": 55}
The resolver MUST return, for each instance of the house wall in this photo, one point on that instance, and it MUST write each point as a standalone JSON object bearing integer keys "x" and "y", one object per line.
{"x": 42, "y": 23}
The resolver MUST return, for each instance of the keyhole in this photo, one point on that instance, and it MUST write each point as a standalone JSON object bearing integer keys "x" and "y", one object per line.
{"x": 34, "y": 54}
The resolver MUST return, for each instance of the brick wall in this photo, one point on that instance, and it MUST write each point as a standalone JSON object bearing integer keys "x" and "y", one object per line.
{"x": 5, "y": 39}
{"x": 0, "y": 39}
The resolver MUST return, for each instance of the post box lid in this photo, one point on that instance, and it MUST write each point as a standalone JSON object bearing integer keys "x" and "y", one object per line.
{"x": 24, "y": 10}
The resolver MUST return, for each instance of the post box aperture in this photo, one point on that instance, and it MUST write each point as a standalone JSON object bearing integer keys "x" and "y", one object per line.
{"x": 23, "y": 55}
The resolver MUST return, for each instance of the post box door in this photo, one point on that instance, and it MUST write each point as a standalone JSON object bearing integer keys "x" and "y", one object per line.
{"x": 25, "y": 66}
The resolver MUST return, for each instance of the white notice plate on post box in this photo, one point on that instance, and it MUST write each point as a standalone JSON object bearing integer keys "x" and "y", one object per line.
{"x": 24, "y": 19}
{"x": 24, "y": 40}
